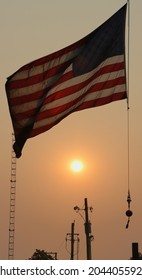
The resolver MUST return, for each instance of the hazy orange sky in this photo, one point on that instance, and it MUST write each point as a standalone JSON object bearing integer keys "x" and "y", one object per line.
{"x": 47, "y": 190}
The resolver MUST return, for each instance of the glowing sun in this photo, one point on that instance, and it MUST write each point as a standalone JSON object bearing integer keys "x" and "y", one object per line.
{"x": 76, "y": 166}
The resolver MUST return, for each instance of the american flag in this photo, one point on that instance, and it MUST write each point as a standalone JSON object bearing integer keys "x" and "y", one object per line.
{"x": 88, "y": 73}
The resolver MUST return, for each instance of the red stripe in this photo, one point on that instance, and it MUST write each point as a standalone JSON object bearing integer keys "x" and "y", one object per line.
{"x": 34, "y": 96}
{"x": 103, "y": 70}
{"x": 106, "y": 85}
{"x": 72, "y": 89}
{"x": 89, "y": 104}
{"x": 26, "y": 98}
{"x": 97, "y": 87}
{"x": 60, "y": 109}
{"x": 52, "y": 56}
{"x": 35, "y": 79}
{"x": 21, "y": 83}
{"x": 102, "y": 101}
{"x": 14, "y": 101}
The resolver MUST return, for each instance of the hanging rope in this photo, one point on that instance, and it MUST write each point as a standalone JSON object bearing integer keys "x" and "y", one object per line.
{"x": 129, "y": 213}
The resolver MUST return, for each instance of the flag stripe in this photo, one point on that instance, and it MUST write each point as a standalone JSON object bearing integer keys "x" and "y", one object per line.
{"x": 76, "y": 89}
{"x": 37, "y": 68}
{"x": 43, "y": 125}
{"x": 57, "y": 57}
{"x": 111, "y": 64}
{"x": 53, "y": 110}
{"x": 96, "y": 91}
{"x": 78, "y": 105}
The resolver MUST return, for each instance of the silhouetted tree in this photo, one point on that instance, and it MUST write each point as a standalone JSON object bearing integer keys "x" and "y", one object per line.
{"x": 41, "y": 255}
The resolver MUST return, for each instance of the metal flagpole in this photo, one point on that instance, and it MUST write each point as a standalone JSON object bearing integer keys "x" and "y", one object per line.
{"x": 128, "y": 57}
{"x": 128, "y": 212}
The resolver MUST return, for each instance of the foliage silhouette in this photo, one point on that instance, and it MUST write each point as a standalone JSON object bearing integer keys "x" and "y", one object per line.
{"x": 41, "y": 255}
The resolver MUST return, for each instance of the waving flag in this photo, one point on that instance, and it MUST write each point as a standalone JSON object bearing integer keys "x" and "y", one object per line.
{"x": 88, "y": 73}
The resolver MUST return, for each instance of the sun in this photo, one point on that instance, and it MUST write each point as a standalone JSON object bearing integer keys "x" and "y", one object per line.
{"x": 77, "y": 166}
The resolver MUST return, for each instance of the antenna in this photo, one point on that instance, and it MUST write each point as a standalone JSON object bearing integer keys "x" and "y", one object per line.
{"x": 12, "y": 204}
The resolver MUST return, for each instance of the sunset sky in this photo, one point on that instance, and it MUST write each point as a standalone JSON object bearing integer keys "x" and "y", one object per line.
{"x": 47, "y": 188}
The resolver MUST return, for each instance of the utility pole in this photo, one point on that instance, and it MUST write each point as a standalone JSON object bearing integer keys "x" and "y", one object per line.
{"x": 72, "y": 237}
{"x": 72, "y": 241}
{"x": 87, "y": 226}
{"x": 135, "y": 251}
{"x": 87, "y": 231}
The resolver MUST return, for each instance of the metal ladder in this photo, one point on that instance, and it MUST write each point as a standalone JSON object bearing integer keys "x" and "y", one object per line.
{"x": 12, "y": 204}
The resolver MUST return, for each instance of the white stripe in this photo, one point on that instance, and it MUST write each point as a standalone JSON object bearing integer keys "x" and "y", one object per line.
{"x": 73, "y": 96}
{"x": 19, "y": 92}
{"x": 44, "y": 84}
{"x": 61, "y": 101}
{"x": 36, "y": 70}
{"x": 81, "y": 78}
{"x": 91, "y": 96}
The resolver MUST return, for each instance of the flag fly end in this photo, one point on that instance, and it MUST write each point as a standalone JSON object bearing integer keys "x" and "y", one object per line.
{"x": 17, "y": 150}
